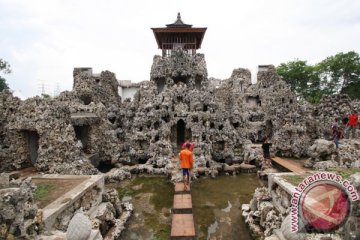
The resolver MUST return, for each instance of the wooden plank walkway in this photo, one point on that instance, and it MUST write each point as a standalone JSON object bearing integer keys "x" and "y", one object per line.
{"x": 292, "y": 165}
{"x": 182, "y": 226}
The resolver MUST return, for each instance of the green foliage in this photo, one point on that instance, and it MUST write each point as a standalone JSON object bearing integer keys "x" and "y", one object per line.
{"x": 353, "y": 90}
{"x": 3, "y": 84}
{"x": 45, "y": 95}
{"x": 125, "y": 192}
{"x": 335, "y": 74}
{"x": 345, "y": 173}
{"x": 302, "y": 78}
{"x": 340, "y": 71}
{"x": 43, "y": 190}
{"x": 295, "y": 179}
{"x": 5, "y": 69}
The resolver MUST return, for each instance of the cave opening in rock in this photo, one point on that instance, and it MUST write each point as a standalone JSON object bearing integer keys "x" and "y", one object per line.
{"x": 253, "y": 101}
{"x": 198, "y": 80}
{"x": 142, "y": 160}
{"x": 105, "y": 166}
{"x": 82, "y": 134}
{"x": 32, "y": 139}
{"x": 179, "y": 79}
{"x": 236, "y": 124}
{"x": 112, "y": 119}
{"x": 160, "y": 83}
{"x": 86, "y": 99}
{"x": 219, "y": 145}
{"x": 179, "y": 134}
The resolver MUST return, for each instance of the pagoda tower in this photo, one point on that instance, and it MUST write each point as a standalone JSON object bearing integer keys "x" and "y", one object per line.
{"x": 178, "y": 35}
{"x": 179, "y": 63}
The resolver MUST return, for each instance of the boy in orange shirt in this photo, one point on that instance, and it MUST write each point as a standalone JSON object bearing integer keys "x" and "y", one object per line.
{"x": 186, "y": 159}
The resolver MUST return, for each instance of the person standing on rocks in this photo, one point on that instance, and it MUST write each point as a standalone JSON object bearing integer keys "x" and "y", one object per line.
{"x": 266, "y": 150}
{"x": 336, "y": 136}
{"x": 335, "y": 123}
{"x": 186, "y": 163}
{"x": 352, "y": 124}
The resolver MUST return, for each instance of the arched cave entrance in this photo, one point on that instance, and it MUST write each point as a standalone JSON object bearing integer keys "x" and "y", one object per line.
{"x": 86, "y": 99}
{"x": 32, "y": 139}
{"x": 198, "y": 80}
{"x": 82, "y": 134}
{"x": 160, "y": 84}
{"x": 179, "y": 133}
{"x": 180, "y": 78}
{"x": 105, "y": 166}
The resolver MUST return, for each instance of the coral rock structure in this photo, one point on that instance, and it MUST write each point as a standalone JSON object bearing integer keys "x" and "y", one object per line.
{"x": 91, "y": 129}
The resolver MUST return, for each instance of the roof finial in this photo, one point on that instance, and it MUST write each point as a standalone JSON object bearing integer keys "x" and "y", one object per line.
{"x": 178, "y": 17}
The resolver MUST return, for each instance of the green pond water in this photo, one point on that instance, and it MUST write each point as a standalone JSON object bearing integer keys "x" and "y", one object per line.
{"x": 216, "y": 206}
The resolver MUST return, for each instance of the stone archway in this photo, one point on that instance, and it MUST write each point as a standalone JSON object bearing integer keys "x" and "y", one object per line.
{"x": 32, "y": 138}
{"x": 179, "y": 133}
{"x": 82, "y": 134}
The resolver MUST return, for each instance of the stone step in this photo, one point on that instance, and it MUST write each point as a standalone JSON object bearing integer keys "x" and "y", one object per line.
{"x": 182, "y": 204}
{"x": 182, "y": 227}
{"x": 179, "y": 188}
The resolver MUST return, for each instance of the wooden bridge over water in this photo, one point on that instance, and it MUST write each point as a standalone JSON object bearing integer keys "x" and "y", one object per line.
{"x": 290, "y": 164}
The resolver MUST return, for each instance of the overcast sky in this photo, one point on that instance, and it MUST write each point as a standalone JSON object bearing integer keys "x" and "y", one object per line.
{"x": 44, "y": 40}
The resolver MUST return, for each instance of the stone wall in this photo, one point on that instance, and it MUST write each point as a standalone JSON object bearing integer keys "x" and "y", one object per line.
{"x": 62, "y": 134}
{"x": 90, "y": 129}
{"x": 18, "y": 212}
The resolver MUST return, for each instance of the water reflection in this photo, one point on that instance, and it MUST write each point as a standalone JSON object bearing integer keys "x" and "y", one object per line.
{"x": 217, "y": 206}
{"x": 228, "y": 208}
{"x": 212, "y": 229}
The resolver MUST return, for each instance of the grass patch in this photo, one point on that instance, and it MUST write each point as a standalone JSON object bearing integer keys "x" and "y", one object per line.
{"x": 125, "y": 192}
{"x": 346, "y": 173}
{"x": 163, "y": 192}
{"x": 42, "y": 192}
{"x": 295, "y": 179}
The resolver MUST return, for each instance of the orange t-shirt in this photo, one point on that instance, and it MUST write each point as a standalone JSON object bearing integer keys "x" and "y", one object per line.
{"x": 186, "y": 158}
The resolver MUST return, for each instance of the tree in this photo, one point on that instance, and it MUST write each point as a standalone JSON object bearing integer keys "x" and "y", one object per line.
{"x": 45, "y": 95}
{"x": 303, "y": 79}
{"x": 341, "y": 74}
{"x": 335, "y": 74}
{"x": 5, "y": 69}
